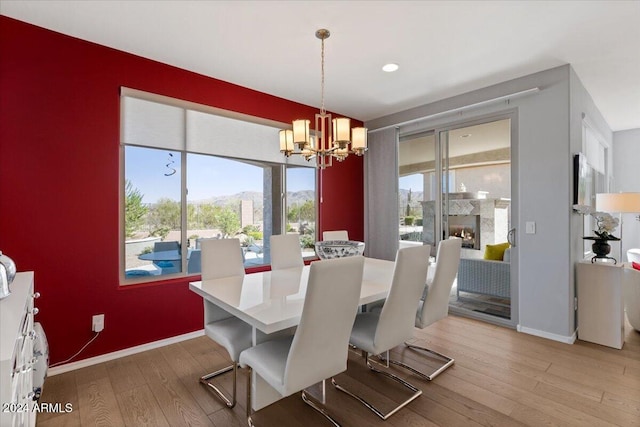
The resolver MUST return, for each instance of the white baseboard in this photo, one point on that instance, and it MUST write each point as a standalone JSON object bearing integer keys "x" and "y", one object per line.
{"x": 122, "y": 353}
{"x": 548, "y": 335}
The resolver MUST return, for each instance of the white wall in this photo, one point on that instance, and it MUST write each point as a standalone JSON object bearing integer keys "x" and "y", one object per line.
{"x": 544, "y": 197}
{"x": 542, "y": 189}
{"x": 626, "y": 178}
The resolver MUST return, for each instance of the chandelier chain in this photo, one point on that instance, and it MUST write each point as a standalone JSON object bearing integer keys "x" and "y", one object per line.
{"x": 322, "y": 109}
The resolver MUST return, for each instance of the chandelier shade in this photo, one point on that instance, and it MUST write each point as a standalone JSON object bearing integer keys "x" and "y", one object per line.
{"x": 301, "y": 132}
{"x": 333, "y": 138}
{"x": 341, "y": 131}
{"x": 286, "y": 140}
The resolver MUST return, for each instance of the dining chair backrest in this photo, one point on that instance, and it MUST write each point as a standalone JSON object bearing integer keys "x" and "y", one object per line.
{"x": 335, "y": 235}
{"x": 436, "y": 303}
{"x": 170, "y": 245}
{"x": 320, "y": 346}
{"x": 285, "y": 251}
{"x": 194, "y": 264}
{"x": 398, "y": 313}
{"x": 199, "y": 241}
{"x": 221, "y": 258}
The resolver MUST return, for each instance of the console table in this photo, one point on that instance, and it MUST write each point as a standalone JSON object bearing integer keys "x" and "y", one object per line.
{"x": 600, "y": 303}
{"x": 17, "y": 361}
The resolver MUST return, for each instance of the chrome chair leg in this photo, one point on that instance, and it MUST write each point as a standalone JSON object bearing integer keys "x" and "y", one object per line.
{"x": 306, "y": 398}
{"x": 249, "y": 383}
{"x": 356, "y": 350}
{"x": 429, "y": 377}
{"x": 205, "y": 380}
{"x": 416, "y": 392}
{"x": 309, "y": 400}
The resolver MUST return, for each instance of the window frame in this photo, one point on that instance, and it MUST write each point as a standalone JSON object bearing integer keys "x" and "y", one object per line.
{"x": 281, "y": 167}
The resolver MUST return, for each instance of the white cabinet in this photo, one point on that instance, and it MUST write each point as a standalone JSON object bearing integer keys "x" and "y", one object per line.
{"x": 16, "y": 354}
{"x": 600, "y": 303}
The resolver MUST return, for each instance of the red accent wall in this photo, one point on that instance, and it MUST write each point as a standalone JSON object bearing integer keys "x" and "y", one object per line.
{"x": 59, "y": 174}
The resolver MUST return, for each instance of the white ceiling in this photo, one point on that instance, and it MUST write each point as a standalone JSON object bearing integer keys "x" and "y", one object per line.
{"x": 444, "y": 48}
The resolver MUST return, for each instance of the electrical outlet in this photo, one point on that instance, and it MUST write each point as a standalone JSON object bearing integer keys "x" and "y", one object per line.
{"x": 97, "y": 323}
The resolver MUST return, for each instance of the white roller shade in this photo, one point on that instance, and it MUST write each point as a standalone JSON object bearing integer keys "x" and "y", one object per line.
{"x": 152, "y": 124}
{"x": 171, "y": 126}
{"x": 222, "y": 136}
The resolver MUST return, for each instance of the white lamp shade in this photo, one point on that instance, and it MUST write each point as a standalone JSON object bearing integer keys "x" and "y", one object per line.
{"x": 359, "y": 140}
{"x": 286, "y": 140}
{"x": 618, "y": 202}
{"x": 341, "y": 129}
{"x": 301, "y": 131}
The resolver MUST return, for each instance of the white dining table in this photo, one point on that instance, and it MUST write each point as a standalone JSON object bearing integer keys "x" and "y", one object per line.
{"x": 271, "y": 302}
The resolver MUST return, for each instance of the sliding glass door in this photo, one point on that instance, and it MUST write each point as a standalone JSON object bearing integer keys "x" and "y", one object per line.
{"x": 456, "y": 182}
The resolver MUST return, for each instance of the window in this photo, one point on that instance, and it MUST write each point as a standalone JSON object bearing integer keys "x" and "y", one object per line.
{"x": 225, "y": 199}
{"x": 410, "y": 197}
{"x": 191, "y": 175}
{"x": 301, "y": 207}
{"x": 153, "y": 220}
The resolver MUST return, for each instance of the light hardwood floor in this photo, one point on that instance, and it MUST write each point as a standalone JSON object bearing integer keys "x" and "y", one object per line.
{"x": 500, "y": 378}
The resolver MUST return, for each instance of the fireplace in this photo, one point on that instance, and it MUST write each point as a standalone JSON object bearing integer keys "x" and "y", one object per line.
{"x": 467, "y": 227}
{"x": 479, "y": 220}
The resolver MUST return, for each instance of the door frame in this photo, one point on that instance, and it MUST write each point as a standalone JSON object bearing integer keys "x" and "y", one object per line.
{"x": 512, "y": 115}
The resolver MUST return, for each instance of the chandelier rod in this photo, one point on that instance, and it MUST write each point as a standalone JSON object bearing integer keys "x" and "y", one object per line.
{"x": 322, "y": 34}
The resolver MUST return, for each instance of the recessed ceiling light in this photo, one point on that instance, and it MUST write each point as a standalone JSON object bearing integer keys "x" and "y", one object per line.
{"x": 390, "y": 68}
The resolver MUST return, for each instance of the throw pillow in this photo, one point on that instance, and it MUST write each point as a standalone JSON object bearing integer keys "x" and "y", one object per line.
{"x": 635, "y": 265}
{"x": 495, "y": 252}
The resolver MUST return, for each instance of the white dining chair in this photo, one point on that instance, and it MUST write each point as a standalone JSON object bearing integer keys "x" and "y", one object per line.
{"x": 335, "y": 235}
{"x": 223, "y": 258}
{"x": 378, "y": 332}
{"x": 319, "y": 348}
{"x": 435, "y": 305}
{"x": 285, "y": 251}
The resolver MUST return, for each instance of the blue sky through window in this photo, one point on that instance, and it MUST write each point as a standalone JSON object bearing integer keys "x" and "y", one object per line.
{"x": 208, "y": 176}
{"x": 414, "y": 182}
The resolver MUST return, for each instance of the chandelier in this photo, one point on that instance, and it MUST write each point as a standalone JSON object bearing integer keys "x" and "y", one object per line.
{"x": 333, "y": 138}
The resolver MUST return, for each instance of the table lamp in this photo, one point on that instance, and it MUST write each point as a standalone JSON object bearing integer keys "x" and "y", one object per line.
{"x": 618, "y": 203}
